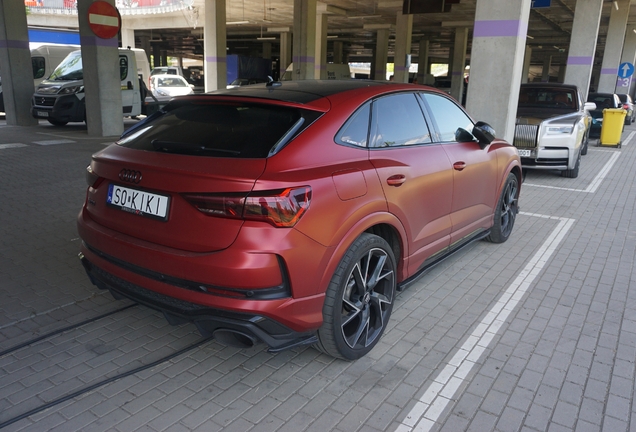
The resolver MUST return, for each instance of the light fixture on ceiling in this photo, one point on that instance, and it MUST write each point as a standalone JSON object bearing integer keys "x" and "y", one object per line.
{"x": 615, "y": 4}
{"x": 332, "y": 37}
{"x": 266, "y": 38}
{"x": 236, "y": 22}
{"x": 529, "y": 37}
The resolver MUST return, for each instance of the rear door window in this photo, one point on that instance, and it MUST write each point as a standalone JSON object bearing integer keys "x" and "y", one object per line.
{"x": 398, "y": 121}
{"x": 233, "y": 130}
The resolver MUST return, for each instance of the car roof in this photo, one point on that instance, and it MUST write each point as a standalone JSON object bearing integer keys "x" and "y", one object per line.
{"x": 549, "y": 85}
{"x": 302, "y": 91}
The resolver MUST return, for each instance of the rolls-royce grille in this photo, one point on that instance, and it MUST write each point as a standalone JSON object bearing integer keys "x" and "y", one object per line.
{"x": 526, "y": 136}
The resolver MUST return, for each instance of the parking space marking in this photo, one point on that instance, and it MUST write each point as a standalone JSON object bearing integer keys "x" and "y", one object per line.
{"x": 12, "y": 145}
{"x": 629, "y": 139}
{"x": 594, "y": 184}
{"x": 428, "y": 410}
{"x": 53, "y": 142}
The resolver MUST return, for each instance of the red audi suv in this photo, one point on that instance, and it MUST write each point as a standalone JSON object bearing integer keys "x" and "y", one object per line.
{"x": 292, "y": 213}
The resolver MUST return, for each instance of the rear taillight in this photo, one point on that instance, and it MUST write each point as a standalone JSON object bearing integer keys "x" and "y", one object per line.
{"x": 92, "y": 179}
{"x": 625, "y": 106}
{"x": 281, "y": 208}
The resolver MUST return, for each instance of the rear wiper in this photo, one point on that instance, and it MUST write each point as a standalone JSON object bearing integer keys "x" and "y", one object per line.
{"x": 172, "y": 146}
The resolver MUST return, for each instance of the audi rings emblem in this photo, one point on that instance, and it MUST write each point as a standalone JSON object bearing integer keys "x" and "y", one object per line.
{"x": 130, "y": 176}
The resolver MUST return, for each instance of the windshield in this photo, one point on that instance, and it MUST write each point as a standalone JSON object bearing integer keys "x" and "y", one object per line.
{"x": 221, "y": 129}
{"x": 174, "y": 81}
{"x": 547, "y": 98}
{"x": 70, "y": 69}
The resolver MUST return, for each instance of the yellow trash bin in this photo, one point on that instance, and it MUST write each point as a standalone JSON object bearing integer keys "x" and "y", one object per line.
{"x": 612, "y": 129}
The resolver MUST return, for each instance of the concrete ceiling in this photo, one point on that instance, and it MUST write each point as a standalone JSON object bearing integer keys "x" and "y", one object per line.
{"x": 353, "y": 22}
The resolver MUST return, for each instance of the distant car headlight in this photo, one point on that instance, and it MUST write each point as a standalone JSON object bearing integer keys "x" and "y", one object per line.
{"x": 554, "y": 130}
{"x": 71, "y": 90}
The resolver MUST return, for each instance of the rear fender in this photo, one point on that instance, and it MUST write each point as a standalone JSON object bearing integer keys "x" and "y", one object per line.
{"x": 354, "y": 232}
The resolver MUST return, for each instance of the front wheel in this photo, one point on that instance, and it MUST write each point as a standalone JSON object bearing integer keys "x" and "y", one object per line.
{"x": 574, "y": 172}
{"x": 57, "y": 122}
{"x": 359, "y": 299}
{"x": 506, "y": 211}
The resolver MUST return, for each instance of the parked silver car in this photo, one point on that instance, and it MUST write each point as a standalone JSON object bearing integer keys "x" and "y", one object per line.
{"x": 552, "y": 127}
{"x": 628, "y": 105}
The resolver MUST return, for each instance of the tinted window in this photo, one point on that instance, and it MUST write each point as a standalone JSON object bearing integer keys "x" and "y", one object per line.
{"x": 448, "y": 116}
{"x": 356, "y": 129}
{"x": 398, "y": 121}
{"x": 220, "y": 130}
{"x": 123, "y": 67}
{"x": 38, "y": 67}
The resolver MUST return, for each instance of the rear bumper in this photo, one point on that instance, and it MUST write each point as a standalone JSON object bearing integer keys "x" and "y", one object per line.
{"x": 232, "y": 328}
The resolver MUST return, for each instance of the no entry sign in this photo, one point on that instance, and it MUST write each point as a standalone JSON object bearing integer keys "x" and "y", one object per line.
{"x": 104, "y": 19}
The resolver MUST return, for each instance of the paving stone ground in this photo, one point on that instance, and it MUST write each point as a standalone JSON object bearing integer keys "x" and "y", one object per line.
{"x": 563, "y": 359}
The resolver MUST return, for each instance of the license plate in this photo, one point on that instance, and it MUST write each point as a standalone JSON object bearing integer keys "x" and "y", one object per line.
{"x": 43, "y": 113}
{"x": 525, "y": 153}
{"x": 138, "y": 202}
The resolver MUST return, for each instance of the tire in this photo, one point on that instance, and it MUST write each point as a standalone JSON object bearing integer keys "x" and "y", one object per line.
{"x": 574, "y": 172}
{"x": 506, "y": 211}
{"x": 57, "y": 122}
{"x": 585, "y": 144}
{"x": 359, "y": 299}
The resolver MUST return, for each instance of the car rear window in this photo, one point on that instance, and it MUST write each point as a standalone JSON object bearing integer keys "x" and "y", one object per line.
{"x": 233, "y": 130}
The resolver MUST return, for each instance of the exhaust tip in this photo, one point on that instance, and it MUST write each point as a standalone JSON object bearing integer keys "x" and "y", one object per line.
{"x": 234, "y": 338}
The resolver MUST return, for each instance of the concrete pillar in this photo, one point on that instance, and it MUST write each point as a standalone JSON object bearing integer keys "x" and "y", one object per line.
{"x": 156, "y": 55}
{"x": 267, "y": 50}
{"x": 403, "y": 32}
{"x": 145, "y": 45}
{"x": 338, "y": 52}
{"x": 496, "y": 63}
{"x": 545, "y": 71}
{"x": 320, "y": 65}
{"x": 381, "y": 55}
{"x": 164, "y": 57}
{"x": 285, "y": 52}
{"x": 525, "y": 72}
{"x": 15, "y": 64}
{"x": 613, "y": 47}
{"x": 214, "y": 46}
{"x": 459, "y": 63}
{"x": 628, "y": 56}
{"x": 587, "y": 16}
{"x": 562, "y": 69}
{"x": 102, "y": 83}
{"x": 304, "y": 46}
{"x": 422, "y": 61}
{"x": 127, "y": 37}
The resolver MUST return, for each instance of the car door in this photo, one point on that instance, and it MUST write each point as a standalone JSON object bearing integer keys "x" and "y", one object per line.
{"x": 415, "y": 174}
{"x": 474, "y": 169}
{"x": 130, "y": 98}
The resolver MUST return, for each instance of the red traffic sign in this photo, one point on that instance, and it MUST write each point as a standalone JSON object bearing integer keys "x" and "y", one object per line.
{"x": 104, "y": 19}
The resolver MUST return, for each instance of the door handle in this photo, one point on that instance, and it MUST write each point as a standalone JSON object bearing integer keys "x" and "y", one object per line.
{"x": 396, "y": 180}
{"x": 459, "y": 165}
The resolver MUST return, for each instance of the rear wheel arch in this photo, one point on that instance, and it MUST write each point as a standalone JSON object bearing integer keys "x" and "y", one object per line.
{"x": 384, "y": 225}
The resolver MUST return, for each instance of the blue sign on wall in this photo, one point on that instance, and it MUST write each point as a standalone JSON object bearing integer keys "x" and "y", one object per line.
{"x": 625, "y": 70}
{"x": 540, "y": 3}
{"x": 54, "y": 36}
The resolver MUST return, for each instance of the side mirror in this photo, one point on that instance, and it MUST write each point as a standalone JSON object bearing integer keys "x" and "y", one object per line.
{"x": 484, "y": 133}
{"x": 462, "y": 135}
{"x": 589, "y": 106}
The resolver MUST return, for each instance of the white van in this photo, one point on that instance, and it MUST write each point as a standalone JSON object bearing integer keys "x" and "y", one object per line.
{"x": 60, "y": 98}
{"x": 44, "y": 59}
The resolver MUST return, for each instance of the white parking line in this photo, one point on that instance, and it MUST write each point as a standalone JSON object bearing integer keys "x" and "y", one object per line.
{"x": 594, "y": 185}
{"x": 440, "y": 393}
{"x": 628, "y": 139}
{"x": 12, "y": 145}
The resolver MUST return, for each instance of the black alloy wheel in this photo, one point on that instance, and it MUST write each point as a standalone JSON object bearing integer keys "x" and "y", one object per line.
{"x": 359, "y": 299}
{"x": 506, "y": 211}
